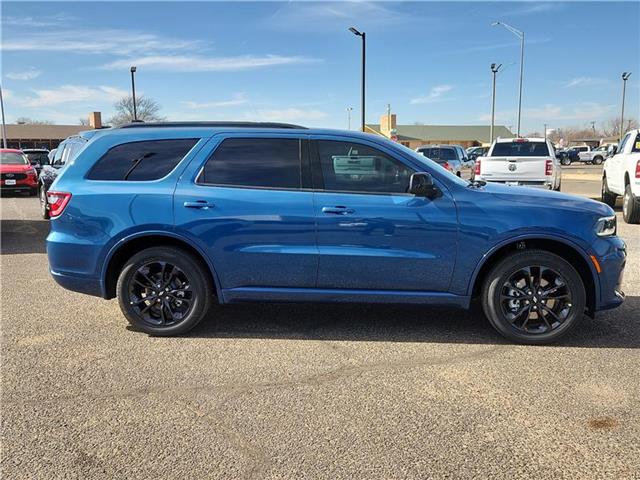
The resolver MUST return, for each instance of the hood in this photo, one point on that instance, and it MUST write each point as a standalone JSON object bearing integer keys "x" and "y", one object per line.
{"x": 9, "y": 168}
{"x": 547, "y": 199}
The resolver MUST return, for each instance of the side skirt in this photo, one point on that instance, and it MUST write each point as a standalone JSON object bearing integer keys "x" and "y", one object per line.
{"x": 311, "y": 295}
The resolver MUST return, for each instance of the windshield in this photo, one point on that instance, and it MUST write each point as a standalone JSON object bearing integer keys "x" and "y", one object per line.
{"x": 13, "y": 158}
{"x": 38, "y": 157}
{"x": 439, "y": 155}
{"x": 520, "y": 149}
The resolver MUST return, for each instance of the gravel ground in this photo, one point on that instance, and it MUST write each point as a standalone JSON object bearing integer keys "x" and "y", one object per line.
{"x": 306, "y": 391}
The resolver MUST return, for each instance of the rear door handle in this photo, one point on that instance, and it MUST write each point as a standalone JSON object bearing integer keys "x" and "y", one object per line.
{"x": 339, "y": 210}
{"x": 201, "y": 204}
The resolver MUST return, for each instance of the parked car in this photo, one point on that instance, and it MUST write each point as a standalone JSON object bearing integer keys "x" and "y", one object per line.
{"x": 447, "y": 156}
{"x": 16, "y": 173}
{"x": 66, "y": 151}
{"x": 593, "y": 155}
{"x": 172, "y": 218}
{"x": 621, "y": 177}
{"x": 475, "y": 152}
{"x": 529, "y": 162}
{"x": 37, "y": 157}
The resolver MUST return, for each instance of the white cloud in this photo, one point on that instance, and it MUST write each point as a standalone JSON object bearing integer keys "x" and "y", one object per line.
{"x": 183, "y": 63}
{"x": 291, "y": 114}
{"x": 67, "y": 94}
{"x": 555, "y": 113}
{"x": 238, "y": 99}
{"x": 93, "y": 41}
{"x": 44, "y": 21}
{"x": 583, "y": 82}
{"x": 29, "y": 74}
{"x": 434, "y": 95}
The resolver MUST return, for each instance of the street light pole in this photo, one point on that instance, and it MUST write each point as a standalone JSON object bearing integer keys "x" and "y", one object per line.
{"x": 133, "y": 93}
{"x": 363, "y": 35}
{"x": 349, "y": 117}
{"x": 4, "y": 126}
{"x": 520, "y": 35}
{"x": 494, "y": 69}
{"x": 625, "y": 77}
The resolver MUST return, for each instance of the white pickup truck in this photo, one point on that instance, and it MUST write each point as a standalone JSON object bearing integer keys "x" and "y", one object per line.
{"x": 621, "y": 177}
{"x": 592, "y": 155}
{"x": 530, "y": 162}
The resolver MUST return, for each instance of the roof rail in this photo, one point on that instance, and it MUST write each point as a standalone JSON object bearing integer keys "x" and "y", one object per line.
{"x": 213, "y": 124}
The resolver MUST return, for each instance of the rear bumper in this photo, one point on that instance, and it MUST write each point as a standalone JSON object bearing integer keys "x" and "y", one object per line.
{"x": 545, "y": 184}
{"x": 88, "y": 286}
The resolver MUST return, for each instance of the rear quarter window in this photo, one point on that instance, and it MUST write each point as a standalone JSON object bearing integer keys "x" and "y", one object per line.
{"x": 141, "y": 161}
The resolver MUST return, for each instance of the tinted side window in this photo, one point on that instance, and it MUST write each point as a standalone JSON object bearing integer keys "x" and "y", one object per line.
{"x": 623, "y": 143}
{"x": 255, "y": 162}
{"x": 636, "y": 144}
{"x": 354, "y": 167}
{"x": 147, "y": 160}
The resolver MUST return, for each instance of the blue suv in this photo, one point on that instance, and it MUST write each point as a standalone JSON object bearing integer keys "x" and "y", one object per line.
{"x": 172, "y": 218}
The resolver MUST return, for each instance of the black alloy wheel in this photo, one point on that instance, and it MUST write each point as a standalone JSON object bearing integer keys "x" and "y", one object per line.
{"x": 533, "y": 296}
{"x": 160, "y": 293}
{"x": 535, "y": 299}
{"x": 165, "y": 291}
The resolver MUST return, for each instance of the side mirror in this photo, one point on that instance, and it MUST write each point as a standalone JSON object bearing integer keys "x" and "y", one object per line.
{"x": 421, "y": 185}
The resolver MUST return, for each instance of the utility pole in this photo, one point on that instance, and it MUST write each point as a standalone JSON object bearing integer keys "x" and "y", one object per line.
{"x": 520, "y": 35}
{"x": 4, "y": 126}
{"x": 545, "y": 132}
{"x": 625, "y": 77}
{"x": 494, "y": 69}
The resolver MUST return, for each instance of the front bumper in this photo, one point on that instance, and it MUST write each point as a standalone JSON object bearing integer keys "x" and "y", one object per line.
{"x": 612, "y": 265}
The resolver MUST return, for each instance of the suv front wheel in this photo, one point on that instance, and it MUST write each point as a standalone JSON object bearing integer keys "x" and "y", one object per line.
{"x": 533, "y": 297}
{"x": 164, "y": 291}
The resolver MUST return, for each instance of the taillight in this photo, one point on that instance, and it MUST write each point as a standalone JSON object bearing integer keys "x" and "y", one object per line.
{"x": 57, "y": 202}
{"x": 548, "y": 169}
{"x": 638, "y": 169}
{"x": 477, "y": 167}
{"x": 447, "y": 166}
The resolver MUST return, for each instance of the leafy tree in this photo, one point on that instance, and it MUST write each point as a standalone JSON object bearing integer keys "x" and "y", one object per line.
{"x": 147, "y": 110}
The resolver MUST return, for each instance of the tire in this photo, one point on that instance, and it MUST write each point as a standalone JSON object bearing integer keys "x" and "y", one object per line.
{"x": 175, "y": 313}
{"x": 557, "y": 189}
{"x": 44, "y": 207}
{"x": 597, "y": 161}
{"x": 630, "y": 206}
{"x": 565, "y": 161}
{"x": 568, "y": 310}
{"x": 606, "y": 195}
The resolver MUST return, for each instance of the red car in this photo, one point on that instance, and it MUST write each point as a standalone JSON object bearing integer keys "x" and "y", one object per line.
{"x": 16, "y": 173}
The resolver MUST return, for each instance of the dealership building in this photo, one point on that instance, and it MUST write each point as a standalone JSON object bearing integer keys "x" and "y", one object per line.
{"x": 414, "y": 136}
{"x": 27, "y": 135}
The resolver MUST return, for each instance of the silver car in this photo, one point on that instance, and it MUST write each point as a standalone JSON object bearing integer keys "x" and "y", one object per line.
{"x": 447, "y": 156}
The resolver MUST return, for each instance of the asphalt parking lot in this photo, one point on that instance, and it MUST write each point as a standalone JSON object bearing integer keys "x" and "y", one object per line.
{"x": 307, "y": 391}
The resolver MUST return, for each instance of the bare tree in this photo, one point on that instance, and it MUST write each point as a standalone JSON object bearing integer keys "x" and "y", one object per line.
{"x": 612, "y": 127}
{"x": 83, "y": 121}
{"x": 147, "y": 110}
{"x": 31, "y": 121}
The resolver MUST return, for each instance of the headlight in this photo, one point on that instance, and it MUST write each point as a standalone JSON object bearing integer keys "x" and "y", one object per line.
{"x": 606, "y": 226}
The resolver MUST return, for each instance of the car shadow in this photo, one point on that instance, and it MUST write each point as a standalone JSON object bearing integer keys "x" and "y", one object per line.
{"x": 23, "y": 236}
{"x": 618, "y": 328}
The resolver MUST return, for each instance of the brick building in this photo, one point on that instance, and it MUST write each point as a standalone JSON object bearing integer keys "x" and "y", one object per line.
{"x": 46, "y": 136}
{"x": 413, "y": 136}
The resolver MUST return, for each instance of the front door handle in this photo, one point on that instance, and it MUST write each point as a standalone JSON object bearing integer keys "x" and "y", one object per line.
{"x": 339, "y": 210}
{"x": 201, "y": 204}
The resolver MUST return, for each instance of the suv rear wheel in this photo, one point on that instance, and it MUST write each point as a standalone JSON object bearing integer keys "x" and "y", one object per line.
{"x": 533, "y": 297}
{"x": 597, "y": 160}
{"x": 164, "y": 291}
{"x": 565, "y": 161}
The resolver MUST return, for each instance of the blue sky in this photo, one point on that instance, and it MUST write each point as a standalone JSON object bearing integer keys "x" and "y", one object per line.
{"x": 297, "y": 62}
